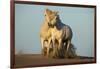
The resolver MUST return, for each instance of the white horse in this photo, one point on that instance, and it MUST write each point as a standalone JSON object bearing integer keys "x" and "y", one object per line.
{"x": 45, "y": 32}
{"x": 54, "y": 30}
{"x": 60, "y": 31}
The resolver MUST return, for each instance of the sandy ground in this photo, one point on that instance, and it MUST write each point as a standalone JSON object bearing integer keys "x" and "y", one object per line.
{"x": 39, "y": 60}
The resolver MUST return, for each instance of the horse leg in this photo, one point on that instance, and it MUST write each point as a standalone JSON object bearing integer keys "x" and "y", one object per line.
{"x": 43, "y": 48}
{"x": 54, "y": 47}
{"x": 48, "y": 48}
{"x": 42, "y": 41}
{"x": 60, "y": 44}
{"x": 69, "y": 42}
{"x": 57, "y": 48}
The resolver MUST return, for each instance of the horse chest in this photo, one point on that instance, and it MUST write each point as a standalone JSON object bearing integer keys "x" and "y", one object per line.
{"x": 47, "y": 35}
{"x": 57, "y": 34}
{"x": 53, "y": 35}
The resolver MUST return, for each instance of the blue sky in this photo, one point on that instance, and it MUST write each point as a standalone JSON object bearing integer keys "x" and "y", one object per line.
{"x": 28, "y": 20}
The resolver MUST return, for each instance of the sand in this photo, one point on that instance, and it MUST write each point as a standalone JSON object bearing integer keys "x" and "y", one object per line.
{"x": 36, "y": 60}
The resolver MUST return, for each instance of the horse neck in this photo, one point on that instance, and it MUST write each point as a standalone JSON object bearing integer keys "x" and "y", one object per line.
{"x": 46, "y": 25}
{"x": 58, "y": 25}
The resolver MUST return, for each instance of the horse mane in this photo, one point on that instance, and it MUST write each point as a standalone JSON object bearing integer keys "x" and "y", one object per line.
{"x": 58, "y": 19}
{"x": 59, "y": 23}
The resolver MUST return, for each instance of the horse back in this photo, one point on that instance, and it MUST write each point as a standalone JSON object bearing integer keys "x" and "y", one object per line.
{"x": 67, "y": 31}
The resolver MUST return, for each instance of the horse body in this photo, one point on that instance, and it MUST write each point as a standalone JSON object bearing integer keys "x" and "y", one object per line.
{"x": 45, "y": 35}
{"x": 63, "y": 34}
{"x": 57, "y": 34}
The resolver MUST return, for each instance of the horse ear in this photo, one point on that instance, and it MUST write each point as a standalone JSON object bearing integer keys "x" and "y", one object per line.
{"x": 45, "y": 12}
{"x": 47, "y": 9}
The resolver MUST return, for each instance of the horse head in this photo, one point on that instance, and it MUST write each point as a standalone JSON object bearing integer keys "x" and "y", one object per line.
{"x": 51, "y": 17}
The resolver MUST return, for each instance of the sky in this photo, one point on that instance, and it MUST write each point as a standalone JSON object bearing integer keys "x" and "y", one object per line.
{"x": 28, "y": 20}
